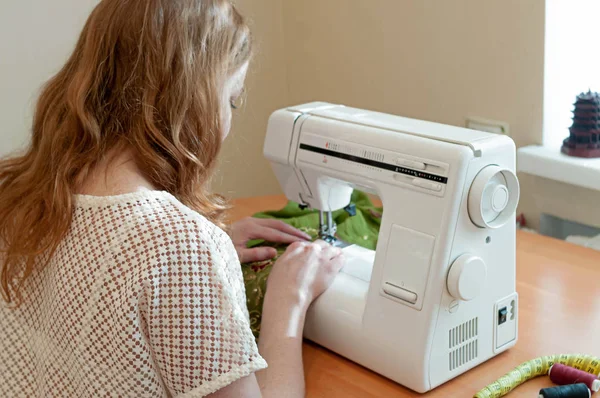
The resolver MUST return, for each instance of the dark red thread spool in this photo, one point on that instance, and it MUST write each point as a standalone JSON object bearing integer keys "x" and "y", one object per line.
{"x": 564, "y": 375}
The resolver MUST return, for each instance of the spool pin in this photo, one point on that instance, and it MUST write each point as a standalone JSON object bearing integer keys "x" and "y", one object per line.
{"x": 564, "y": 375}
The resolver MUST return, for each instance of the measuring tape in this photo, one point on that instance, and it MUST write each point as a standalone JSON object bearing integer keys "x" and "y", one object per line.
{"x": 538, "y": 367}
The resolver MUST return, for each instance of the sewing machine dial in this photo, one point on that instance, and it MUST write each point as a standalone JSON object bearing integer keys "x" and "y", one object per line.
{"x": 467, "y": 277}
{"x": 493, "y": 197}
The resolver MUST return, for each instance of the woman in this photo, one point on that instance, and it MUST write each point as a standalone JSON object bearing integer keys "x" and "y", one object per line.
{"x": 117, "y": 277}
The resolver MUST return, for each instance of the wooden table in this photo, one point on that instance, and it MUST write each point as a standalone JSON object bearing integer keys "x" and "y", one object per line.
{"x": 559, "y": 288}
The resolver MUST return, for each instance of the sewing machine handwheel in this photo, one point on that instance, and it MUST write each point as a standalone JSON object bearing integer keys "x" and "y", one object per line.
{"x": 467, "y": 277}
{"x": 493, "y": 197}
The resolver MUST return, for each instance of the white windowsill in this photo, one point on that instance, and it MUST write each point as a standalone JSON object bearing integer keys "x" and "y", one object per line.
{"x": 551, "y": 163}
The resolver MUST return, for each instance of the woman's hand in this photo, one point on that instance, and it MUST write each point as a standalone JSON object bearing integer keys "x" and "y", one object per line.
{"x": 304, "y": 272}
{"x": 298, "y": 277}
{"x": 274, "y": 231}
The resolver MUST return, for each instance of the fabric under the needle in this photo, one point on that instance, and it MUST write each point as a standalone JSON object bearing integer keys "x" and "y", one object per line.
{"x": 361, "y": 229}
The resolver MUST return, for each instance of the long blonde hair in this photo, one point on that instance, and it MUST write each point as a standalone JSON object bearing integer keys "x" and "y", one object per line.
{"x": 145, "y": 75}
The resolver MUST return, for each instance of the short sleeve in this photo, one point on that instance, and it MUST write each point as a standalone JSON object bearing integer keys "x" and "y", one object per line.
{"x": 197, "y": 322}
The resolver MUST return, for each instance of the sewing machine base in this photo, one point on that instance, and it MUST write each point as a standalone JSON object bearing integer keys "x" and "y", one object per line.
{"x": 340, "y": 310}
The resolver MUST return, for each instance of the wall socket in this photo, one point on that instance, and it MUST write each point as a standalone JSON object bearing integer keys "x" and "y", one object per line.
{"x": 490, "y": 126}
{"x": 506, "y": 321}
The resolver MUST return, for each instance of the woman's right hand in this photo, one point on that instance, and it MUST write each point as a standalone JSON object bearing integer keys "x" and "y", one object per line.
{"x": 304, "y": 272}
{"x": 298, "y": 277}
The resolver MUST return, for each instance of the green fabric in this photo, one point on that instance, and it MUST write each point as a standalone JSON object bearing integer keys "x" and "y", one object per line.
{"x": 361, "y": 229}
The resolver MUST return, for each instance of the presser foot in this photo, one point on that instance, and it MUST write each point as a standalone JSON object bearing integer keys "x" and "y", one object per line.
{"x": 329, "y": 239}
{"x": 333, "y": 241}
{"x": 340, "y": 243}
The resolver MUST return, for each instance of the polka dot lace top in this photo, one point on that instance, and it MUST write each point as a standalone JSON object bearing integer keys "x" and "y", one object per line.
{"x": 143, "y": 298}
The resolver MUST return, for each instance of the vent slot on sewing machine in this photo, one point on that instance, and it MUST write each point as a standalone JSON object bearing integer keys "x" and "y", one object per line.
{"x": 463, "y": 344}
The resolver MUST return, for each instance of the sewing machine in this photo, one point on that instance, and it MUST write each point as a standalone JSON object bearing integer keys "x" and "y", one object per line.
{"x": 437, "y": 296}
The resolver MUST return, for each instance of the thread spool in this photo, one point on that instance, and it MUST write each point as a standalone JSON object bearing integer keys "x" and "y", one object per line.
{"x": 572, "y": 391}
{"x": 563, "y": 375}
{"x": 535, "y": 368}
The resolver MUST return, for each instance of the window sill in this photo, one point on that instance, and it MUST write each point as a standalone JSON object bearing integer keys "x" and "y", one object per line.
{"x": 550, "y": 163}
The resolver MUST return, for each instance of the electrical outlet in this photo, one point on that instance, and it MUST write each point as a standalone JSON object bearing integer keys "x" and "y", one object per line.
{"x": 490, "y": 126}
{"x": 506, "y": 321}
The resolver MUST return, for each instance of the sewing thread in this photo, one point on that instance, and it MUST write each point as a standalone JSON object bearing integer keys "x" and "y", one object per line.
{"x": 572, "y": 391}
{"x": 535, "y": 368}
{"x": 563, "y": 375}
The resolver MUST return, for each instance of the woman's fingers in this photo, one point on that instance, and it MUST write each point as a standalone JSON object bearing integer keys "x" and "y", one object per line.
{"x": 276, "y": 236}
{"x": 332, "y": 252}
{"x": 328, "y": 251}
{"x": 257, "y": 254}
{"x": 337, "y": 262}
{"x": 283, "y": 227}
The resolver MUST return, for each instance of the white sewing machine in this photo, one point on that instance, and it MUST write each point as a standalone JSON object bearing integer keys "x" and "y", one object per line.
{"x": 437, "y": 297}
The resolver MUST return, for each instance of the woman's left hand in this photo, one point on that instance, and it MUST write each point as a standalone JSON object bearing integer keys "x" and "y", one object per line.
{"x": 274, "y": 231}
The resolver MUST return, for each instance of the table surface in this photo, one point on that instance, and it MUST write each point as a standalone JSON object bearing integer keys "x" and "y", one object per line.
{"x": 559, "y": 303}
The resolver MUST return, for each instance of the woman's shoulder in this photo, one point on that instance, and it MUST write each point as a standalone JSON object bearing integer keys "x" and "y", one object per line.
{"x": 155, "y": 220}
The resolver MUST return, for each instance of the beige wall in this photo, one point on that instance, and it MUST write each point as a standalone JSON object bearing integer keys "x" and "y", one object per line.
{"x": 36, "y": 37}
{"x": 429, "y": 59}
{"x": 243, "y": 170}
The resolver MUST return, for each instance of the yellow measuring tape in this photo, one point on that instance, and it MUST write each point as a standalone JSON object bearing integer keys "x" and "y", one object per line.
{"x": 537, "y": 367}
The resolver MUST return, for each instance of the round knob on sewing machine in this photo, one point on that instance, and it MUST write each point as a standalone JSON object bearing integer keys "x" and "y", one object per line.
{"x": 493, "y": 197}
{"x": 467, "y": 277}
